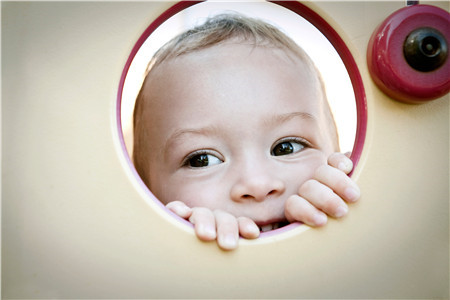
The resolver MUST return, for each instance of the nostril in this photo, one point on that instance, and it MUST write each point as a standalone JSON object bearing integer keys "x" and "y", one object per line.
{"x": 246, "y": 196}
{"x": 271, "y": 192}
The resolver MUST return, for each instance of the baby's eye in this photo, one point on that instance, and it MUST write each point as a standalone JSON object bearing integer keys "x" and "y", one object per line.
{"x": 288, "y": 147}
{"x": 202, "y": 160}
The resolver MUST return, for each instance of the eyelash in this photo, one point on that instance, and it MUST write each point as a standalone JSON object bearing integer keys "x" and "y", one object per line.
{"x": 306, "y": 144}
{"x": 187, "y": 159}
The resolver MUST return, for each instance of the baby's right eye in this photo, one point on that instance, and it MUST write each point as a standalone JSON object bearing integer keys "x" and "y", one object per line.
{"x": 201, "y": 160}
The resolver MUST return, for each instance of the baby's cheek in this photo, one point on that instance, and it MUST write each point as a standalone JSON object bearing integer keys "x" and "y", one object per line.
{"x": 196, "y": 195}
{"x": 305, "y": 169}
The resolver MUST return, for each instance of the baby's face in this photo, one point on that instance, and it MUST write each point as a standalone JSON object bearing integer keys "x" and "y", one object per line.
{"x": 234, "y": 127}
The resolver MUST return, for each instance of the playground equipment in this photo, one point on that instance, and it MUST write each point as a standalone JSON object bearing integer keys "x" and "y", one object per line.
{"x": 78, "y": 223}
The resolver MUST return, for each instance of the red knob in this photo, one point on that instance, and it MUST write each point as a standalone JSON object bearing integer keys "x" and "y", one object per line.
{"x": 407, "y": 54}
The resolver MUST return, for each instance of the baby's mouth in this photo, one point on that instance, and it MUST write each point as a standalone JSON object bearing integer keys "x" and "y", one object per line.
{"x": 272, "y": 226}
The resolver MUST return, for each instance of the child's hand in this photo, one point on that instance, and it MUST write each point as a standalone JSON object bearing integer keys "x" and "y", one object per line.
{"x": 325, "y": 194}
{"x": 216, "y": 225}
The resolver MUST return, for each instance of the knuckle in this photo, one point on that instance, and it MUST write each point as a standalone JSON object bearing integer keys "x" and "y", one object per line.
{"x": 335, "y": 158}
{"x": 218, "y": 212}
{"x": 331, "y": 202}
{"x": 294, "y": 207}
{"x": 292, "y": 202}
{"x": 336, "y": 155}
{"x": 200, "y": 210}
{"x": 244, "y": 219}
{"x": 322, "y": 171}
{"x": 342, "y": 183}
{"x": 224, "y": 217}
{"x": 308, "y": 187}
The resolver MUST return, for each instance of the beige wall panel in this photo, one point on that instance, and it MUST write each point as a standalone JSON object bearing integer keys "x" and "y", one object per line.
{"x": 75, "y": 223}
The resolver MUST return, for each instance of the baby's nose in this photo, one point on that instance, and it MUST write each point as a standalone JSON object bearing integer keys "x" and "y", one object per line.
{"x": 257, "y": 187}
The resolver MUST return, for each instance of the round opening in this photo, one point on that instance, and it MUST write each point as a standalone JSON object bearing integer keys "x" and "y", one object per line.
{"x": 320, "y": 41}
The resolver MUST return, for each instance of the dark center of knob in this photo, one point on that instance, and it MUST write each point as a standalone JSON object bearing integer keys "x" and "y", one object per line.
{"x": 425, "y": 49}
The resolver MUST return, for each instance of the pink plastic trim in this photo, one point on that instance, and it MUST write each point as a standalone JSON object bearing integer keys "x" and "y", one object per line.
{"x": 387, "y": 65}
{"x": 313, "y": 18}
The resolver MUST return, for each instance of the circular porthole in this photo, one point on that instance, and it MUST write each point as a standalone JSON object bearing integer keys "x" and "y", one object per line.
{"x": 343, "y": 83}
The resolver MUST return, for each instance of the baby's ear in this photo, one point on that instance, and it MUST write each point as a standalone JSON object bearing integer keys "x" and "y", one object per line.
{"x": 348, "y": 154}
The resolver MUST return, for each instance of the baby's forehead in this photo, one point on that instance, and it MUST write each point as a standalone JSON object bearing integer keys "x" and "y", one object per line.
{"x": 245, "y": 62}
{"x": 229, "y": 54}
{"x": 181, "y": 72}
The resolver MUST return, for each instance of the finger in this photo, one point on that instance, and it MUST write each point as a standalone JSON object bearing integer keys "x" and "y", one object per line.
{"x": 324, "y": 198}
{"x": 227, "y": 230}
{"x": 299, "y": 209}
{"x": 340, "y": 161}
{"x": 204, "y": 223}
{"x": 340, "y": 183}
{"x": 247, "y": 228}
{"x": 180, "y": 209}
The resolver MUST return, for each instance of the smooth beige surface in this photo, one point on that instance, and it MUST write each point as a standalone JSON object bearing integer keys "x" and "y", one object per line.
{"x": 75, "y": 224}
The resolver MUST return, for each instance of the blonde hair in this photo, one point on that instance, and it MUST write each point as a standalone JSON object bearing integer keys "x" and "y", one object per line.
{"x": 217, "y": 30}
{"x": 222, "y": 28}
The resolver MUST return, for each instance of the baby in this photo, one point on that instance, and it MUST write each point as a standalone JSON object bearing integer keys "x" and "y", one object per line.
{"x": 233, "y": 132}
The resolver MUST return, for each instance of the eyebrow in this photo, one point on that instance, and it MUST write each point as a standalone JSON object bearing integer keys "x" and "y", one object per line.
{"x": 180, "y": 132}
{"x": 279, "y": 119}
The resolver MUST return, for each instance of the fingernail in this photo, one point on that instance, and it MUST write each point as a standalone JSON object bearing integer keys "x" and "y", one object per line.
{"x": 228, "y": 241}
{"x": 345, "y": 166}
{"x": 341, "y": 211}
{"x": 210, "y": 231}
{"x": 182, "y": 211}
{"x": 253, "y": 229}
{"x": 351, "y": 194}
{"x": 320, "y": 219}
{"x": 207, "y": 231}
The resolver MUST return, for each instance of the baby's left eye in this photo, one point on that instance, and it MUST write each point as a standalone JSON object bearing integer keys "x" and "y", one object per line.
{"x": 287, "y": 147}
